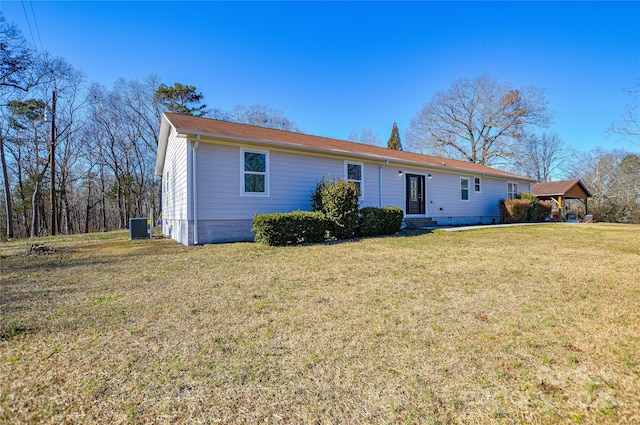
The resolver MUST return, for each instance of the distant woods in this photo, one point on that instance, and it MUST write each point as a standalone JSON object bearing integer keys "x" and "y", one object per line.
{"x": 102, "y": 142}
{"x": 86, "y": 162}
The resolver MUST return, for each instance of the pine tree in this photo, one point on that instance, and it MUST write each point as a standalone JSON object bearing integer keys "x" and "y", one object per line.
{"x": 394, "y": 139}
{"x": 179, "y": 98}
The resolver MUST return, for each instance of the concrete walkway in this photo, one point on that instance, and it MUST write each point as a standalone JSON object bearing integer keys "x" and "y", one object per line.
{"x": 487, "y": 226}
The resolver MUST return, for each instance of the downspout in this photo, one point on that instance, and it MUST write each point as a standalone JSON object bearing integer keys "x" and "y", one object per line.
{"x": 194, "y": 179}
{"x": 380, "y": 182}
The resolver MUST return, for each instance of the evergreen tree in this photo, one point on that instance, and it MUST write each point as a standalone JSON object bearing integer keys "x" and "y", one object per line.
{"x": 394, "y": 139}
{"x": 179, "y": 97}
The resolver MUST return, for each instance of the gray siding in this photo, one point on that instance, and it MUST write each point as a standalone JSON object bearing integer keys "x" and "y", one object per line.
{"x": 292, "y": 180}
{"x": 224, "y": 214}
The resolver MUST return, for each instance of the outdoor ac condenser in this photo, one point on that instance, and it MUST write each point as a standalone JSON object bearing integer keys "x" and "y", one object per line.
{"x": 138, "y": 228}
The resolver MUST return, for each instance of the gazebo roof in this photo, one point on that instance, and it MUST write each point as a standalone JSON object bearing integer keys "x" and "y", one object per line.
{"x": 571, "y": 189}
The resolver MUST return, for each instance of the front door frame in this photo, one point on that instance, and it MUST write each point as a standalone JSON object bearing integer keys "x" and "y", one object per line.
{"x": 415, "y": 206}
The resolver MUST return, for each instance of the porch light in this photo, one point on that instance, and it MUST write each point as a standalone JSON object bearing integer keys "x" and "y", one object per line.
{"x": 429, "y": 176}
{"x": 399, "y": 172}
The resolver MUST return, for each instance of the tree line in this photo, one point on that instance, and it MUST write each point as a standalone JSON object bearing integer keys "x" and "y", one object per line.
{"x": 80, "y": 157}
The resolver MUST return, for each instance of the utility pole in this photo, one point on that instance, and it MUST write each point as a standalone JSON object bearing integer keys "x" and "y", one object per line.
{"x": 52, "y": 167}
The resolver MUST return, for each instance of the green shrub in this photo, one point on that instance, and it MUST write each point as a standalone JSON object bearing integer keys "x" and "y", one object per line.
{"x": 290, "y": 228}
{"x": 380, "y": 221}
{"x": 532, "y": 214}
{"x": 339, "y": 201}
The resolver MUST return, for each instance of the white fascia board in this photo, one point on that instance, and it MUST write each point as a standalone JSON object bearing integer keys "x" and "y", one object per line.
{"x": 163, "y": 140}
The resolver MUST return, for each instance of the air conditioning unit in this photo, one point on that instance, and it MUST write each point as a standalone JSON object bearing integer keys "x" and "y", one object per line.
{"x": 138, "y": 228}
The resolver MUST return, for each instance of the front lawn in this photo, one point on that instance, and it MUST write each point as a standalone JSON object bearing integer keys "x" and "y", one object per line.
{"x": 535, "y": 324}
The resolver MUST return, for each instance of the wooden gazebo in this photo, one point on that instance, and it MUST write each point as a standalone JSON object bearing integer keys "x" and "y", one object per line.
{"x": 561, "y": 190}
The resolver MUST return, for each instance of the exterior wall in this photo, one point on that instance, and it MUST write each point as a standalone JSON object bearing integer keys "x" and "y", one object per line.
{"x": 292, "y": 179}
{"x": 179, "y": 230}
{"x": 445, "y": 206}
{"x": 174, "y": 190}
{"x": 218, "y": 231}
{"x": 224, "y": 214}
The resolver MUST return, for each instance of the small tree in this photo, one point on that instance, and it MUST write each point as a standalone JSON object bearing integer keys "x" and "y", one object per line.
{"x": 394, "y": 139}
{"x": 339, "y": 201}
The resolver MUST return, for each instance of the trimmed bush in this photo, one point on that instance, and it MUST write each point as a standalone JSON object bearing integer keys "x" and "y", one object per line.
{"x": 339, "y": 201}
{"x": 380, "y": 221}
{"x": 290, "y": 228}
{"x": 514, "y": 211}
{"x": 527, "y": 209}
{"x": 544, "y": 210}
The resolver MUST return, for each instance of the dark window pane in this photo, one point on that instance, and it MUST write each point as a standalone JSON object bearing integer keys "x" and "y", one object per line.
{"x": 253, "y": 183}
{"x": 464, "y": 189}
{"x": 256, "y": 162}
{"x": 354, "y": 172}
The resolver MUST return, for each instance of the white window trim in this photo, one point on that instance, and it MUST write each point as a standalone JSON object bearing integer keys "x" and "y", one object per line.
{"x": 517, "y": 187}
{"x": 266, "y": 192}
{"x": 468, "y": 179}
{"x": 361, "y": 181}
{"x": 474, "y": 184}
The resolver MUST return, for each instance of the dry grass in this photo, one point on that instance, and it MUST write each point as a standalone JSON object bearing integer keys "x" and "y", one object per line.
{"x": 530, "y": 325}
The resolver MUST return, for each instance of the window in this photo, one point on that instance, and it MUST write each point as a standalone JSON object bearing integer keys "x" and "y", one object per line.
{"x": 255, "y": 173}
{"x": 354, "y": 172}
{"x": 476, "y": 185}
{"x": 512, "y": 190}
{"x": 464, "y": 188}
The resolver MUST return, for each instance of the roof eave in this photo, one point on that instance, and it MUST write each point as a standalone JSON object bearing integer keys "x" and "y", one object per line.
{"x": 434, "y": 167}
{"x": 163, "y": 140}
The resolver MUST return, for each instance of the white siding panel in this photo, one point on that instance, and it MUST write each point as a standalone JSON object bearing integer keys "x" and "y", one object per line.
{"x": 292, "y": 179}
{"x": 393, "y": 189}
{"x": 174, "y": 196}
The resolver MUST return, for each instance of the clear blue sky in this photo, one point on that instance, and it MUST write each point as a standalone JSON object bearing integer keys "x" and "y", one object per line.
{"x": 335, "y": 67}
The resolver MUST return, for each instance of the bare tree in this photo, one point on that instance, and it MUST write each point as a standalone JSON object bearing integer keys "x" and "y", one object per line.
{"x": 629, "y": 126}
{"x": 16, "y": 59}
{"x": 479, "y": 120}
{"x": 16, "y": 75}
{"x": 613, "y": 178}
{"x": 542, "y": 157}
{"x": 30, "y": 140}
{"x": 261, "y": 116}
{"x": 366, "y": 136}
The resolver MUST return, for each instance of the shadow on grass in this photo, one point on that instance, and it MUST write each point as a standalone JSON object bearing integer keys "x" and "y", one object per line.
{"x": 404, "y": 233}
{"x": 12, "y": 330}
{"x": 56, "y": 261}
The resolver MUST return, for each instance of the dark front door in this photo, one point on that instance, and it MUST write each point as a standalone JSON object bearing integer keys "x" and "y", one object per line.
{"x": 415, "y": 194}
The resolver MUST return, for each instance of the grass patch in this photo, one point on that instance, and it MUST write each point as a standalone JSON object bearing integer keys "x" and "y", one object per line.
{"x": 486, "y": 326}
